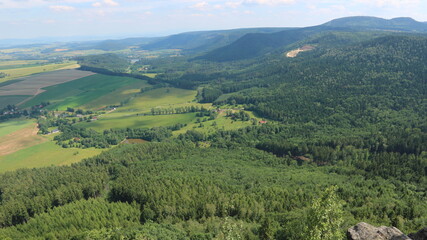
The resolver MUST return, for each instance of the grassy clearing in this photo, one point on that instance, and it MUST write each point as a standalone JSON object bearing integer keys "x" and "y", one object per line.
{"x": 151, "y": 75}
{"x": 161, "y": 97}
{"x": 21, "y": 72}
{"x": 45, "y": 154}
{"x": 221, "y": 123}
{"x": 24, "y": 137}
{"x": 139, "y": 121}
{"x": 81, "y": 91}
{"x": 12, "y": 126}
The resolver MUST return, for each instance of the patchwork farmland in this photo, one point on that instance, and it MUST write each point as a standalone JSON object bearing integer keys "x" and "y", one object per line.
{"x": 33, "y": 85}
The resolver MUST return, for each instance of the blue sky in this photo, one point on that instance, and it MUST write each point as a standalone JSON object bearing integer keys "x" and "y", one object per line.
{"x": 125, "y": 18}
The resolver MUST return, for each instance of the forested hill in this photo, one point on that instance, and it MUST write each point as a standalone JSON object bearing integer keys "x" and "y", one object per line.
{"x": 204, "y": 40}
{"x": 253, "y": 45}
{"x": 373, "y": 23}
{"x": 342, "y": 85}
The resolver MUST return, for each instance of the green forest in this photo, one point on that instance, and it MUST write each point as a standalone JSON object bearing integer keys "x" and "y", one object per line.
{"x": 343, "y": 140}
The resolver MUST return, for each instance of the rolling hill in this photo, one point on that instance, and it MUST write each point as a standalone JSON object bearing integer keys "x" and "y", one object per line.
{"x": 254, "y": 45}
{"x": 203, "y": 40}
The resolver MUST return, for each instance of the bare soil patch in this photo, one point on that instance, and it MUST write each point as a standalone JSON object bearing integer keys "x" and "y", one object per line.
{"x": 20, "y": 139}
{"x": 294, "y": 53}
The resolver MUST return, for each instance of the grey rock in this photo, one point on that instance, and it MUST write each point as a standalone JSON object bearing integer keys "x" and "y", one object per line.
{"x": 364, "y": 231}
{"x": 420, "y": 235}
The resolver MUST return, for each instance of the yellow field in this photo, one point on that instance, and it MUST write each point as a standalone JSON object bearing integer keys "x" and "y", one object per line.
{"x": 45, "y": 154}
{"x": 20, "y": 62}
{"x": 20, "y": 139}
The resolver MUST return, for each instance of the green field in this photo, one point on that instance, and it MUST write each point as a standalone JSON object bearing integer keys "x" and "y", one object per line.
{"x": 116, "y": 97}
{"x": 14, "y": 99}
{"x": 139, "y": 121}
{"x": 25, "y": 71}
{"x": 151, "y": 75}
{"x": 20, "y": 63}
{"x": 126, "y": 116}
{"x": 12, "y": 126}
{"x": 161, "y": 97}
{"x": 44, "y": 154}
{"x": 81, "y": 91}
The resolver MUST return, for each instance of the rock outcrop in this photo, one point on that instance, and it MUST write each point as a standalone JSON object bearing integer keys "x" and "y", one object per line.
{"x": 420, "y": 235}
{"x": 364, "y": 231}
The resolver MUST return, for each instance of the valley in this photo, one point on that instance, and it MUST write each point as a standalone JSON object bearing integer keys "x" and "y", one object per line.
{"x": 258, "y": 133}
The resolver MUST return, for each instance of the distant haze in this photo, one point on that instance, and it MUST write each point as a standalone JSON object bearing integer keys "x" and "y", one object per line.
{"x": 102, "y": 19}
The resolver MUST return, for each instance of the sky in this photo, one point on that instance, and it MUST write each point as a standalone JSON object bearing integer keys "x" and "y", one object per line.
{"x": 138, "y": 18}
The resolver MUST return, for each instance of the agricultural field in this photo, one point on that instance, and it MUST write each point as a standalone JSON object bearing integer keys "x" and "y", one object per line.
{"x": 14, "y": 100}
{"x": 118, "y": 96}
{"x": 131, "y": 114}
{"x": 33, "y": 85}
{"x": 45, "y": 154}
{"x": 17, "y": 135}
{"x": 161, "y": 97}
{"x": 14, "y": 73}
{"x": 81, "y": 91}
{"x": 20, "y": 63}
{"x": 137, "y": 113}
{"x": 12, "y": 126}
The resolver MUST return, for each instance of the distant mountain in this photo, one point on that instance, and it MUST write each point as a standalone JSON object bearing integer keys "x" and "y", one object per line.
{"x": 253, "y": 45}
{"x": 256, "y": 44}
{"x": 204, "y": 40}
{"x": 373, "y": 23}
{"x": 112, "y": 45}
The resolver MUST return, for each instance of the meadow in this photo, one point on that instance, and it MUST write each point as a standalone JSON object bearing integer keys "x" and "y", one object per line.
{"x": 130, "y": 114}
{"x": 12, "y": 126}
{"x": 161, "y": 97}
{"x": 136, "y": 113}
{"x": 118, "y": 96}
{"x": 45, "y": 154}
{"x": 133, "y": 121}
{"x": 81, "y": 91}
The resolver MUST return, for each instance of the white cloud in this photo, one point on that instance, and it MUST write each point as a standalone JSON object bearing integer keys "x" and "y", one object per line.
{"x": 270, "y": 2}
{"x": 61, "y": 8}
{"x": 390, "y": 3}
{"x": 233, "y": 4}
{"x": 96, "y": 4}
{"x": 200, "y": 6}
{"x": 111, "y": 3}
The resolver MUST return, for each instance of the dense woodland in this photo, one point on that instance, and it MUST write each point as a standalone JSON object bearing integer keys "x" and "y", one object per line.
{"x": 346, "y": 139}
